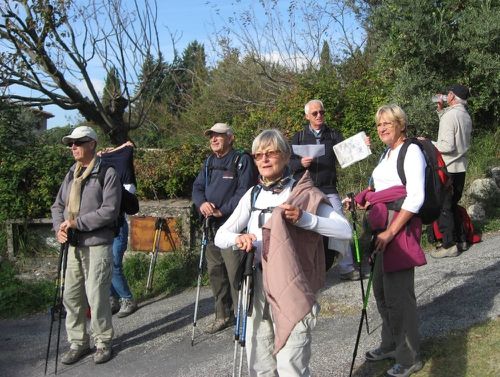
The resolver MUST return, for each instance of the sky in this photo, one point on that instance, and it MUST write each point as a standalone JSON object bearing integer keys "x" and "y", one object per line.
{"x": 187, "y": 20}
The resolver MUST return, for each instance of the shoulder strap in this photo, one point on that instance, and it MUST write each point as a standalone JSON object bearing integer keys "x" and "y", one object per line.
{"x": 301, "y": 136}
{"x": 253, "y": 196}
{"x": 236, "y": 163}
{"x": 401, "y": 159}
{"x": 102, "y": 174}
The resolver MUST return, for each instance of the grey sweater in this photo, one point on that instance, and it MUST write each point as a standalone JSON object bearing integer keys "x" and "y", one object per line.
{"x": 99, "y": 207}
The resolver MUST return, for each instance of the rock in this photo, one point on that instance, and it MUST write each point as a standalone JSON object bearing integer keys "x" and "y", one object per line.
{"x": 495, "y": 174}
{"x": 484, "y": 190}
{"x": 477, "y": 212}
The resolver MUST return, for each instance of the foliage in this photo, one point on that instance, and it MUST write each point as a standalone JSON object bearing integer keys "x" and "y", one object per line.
{"x": 167, "y": 173}
{"x": 421, "y": 47}
{"x": 20, "y": 298}
{"x": 43, "y": 52}
{"x": 30, "y": 171}
{"x": 173, "y": 271}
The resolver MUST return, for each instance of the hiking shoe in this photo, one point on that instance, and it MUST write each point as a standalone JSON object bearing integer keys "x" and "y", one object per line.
{"x": 462, "y": 246}
{"x": 352, "y": 276}
{"x": 443, "y": 253}
{"x": 400, "y": 371}
{"x": 127, "y": 307}
{"x": 73, "y": 355}
{"x": 102, "y": 354}
{"x": 379, "y": 354}
{"x": 219, "y": 325}
{"x": 115, "y": 304}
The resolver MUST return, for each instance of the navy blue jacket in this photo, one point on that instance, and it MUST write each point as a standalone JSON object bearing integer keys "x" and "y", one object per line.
{"x": 323, "y": 169}
{"x": 222, "y": 183}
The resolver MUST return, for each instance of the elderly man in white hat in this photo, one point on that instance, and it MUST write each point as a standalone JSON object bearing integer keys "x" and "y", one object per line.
{"x": 225, "y": 176}
{"x": 84, "y": 215}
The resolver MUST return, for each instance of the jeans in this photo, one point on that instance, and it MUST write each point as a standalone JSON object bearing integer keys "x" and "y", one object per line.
{"x": 119, "y": 285}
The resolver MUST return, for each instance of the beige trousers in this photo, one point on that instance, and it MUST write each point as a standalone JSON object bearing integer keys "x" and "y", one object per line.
{"x": 87, "y": 283}
{"x": 293, "y": 359}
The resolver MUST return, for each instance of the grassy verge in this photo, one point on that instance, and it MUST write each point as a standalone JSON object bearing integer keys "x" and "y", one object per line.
{"x": 18, "y": 297}
{"x": 467, "y": 353}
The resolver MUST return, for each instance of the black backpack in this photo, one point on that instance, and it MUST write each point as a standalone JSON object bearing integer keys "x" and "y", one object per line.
{"x": 236, "y": 165}
{"x": 437, "y": 180}
{"x": 129, "y": 203}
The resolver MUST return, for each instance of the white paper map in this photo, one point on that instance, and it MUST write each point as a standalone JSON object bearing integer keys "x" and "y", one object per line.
{"x": 309, "y": 150}
{"x": 352, "y": 150}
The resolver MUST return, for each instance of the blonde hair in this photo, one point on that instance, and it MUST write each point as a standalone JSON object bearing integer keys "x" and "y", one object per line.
{"x": 394, "y": 113}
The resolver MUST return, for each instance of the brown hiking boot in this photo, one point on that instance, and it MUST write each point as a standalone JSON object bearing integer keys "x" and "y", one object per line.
{"x": 219, "y": 325}
{"x": 73, "y": 355}
{"x": 102, "y": 355}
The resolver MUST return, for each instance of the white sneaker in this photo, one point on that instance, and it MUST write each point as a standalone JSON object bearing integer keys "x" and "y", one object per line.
{"x": 400, "y": 371}
{"x": 127, "y": 307}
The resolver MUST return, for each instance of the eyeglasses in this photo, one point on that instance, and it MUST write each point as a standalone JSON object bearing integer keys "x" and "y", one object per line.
{"x": 385, "y": 124}
{"x": 315, "y": 113}
{"x": 77, "y": 142}
{"x": 268, "y": 154}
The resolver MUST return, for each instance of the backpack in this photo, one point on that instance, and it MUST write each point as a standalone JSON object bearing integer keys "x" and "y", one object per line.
{"x": 437, "y": 180}
{"x": 129, "y": 203}
{"x": 434, "y": 235}
{"x": 236, "y": 165}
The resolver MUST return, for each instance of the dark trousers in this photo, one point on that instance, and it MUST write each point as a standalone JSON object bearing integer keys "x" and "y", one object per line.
{"x": 450, "y": 223}
{"x": 222, "y": 266}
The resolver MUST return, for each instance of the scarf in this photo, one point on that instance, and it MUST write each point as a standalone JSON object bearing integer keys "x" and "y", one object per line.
{"x": 76, "y": 188}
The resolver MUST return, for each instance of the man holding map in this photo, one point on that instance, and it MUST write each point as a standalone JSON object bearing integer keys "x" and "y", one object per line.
{"x": 322, "y": 168}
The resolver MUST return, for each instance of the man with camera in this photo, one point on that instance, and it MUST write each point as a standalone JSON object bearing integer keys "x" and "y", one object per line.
{"x": 84, "y": 214}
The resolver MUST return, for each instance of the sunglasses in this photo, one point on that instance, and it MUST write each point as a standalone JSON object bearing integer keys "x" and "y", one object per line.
{"x": 269, "y": 154}
{"x": 315, "y": 113}
{"x": 77, "y": 142}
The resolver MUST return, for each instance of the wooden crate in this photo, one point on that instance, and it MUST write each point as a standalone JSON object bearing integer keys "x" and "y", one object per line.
{"x": 142, "y": 233}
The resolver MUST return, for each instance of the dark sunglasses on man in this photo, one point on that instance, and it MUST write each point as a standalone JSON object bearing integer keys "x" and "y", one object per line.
{"x": 78, "y": 143}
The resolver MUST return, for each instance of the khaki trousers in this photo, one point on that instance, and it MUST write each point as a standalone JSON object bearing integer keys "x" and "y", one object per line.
{"x": 87, "y": 283}
{"x": 293, "y": 359}
{"x": 222, "y": 266}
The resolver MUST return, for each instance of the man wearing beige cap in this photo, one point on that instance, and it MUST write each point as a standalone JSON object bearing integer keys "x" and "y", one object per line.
{"x": 225, "y": 176}
{"x": 84, "y": 214}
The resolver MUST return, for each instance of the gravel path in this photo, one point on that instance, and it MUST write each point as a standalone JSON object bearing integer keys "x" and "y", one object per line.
{"x": 453, "y": 293}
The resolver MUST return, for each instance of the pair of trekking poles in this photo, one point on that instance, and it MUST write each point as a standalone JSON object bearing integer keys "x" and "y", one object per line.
{"x": 364, "y": 295}
{"x": 57, "y": 308}
{"x": 245, "y": 295}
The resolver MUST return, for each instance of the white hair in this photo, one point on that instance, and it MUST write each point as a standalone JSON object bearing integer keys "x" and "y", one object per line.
{"x": 317, "y": 101}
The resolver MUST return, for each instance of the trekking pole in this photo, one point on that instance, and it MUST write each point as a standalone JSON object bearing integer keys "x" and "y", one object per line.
{"x": 57, "y": 303}
{"x": 363, "y": 312}
{"x": 159, "y": 224}
{"x": 204, "y": 243}
{"x": 354, "y": 216}
{"x": 244, "y": 310}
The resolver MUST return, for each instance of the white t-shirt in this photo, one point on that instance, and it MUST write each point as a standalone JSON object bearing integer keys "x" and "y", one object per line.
{"x": 386, "y": 175}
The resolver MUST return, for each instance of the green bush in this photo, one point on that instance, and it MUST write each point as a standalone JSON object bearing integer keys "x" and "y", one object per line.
{"x": 173, "y": 272}
{"x": 18, "y": 297}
